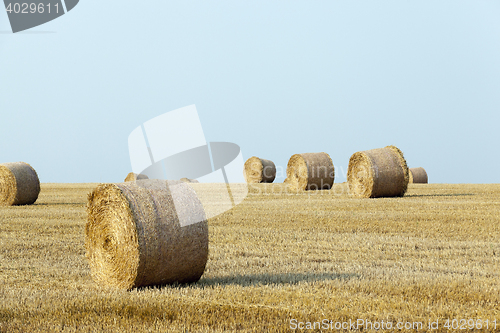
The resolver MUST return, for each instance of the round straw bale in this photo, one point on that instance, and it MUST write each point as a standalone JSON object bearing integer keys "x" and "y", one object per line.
{"x": 418, "y": 176}
{"x": 187, "y": 180}
{"x": 310, "y": 171}
{"x": 378, "y": 173}
{"x": 258, "y": 170}
{"x": 19, "y": 184}
{"x": 134, "y": 176}
{"x": 145, "y": 233}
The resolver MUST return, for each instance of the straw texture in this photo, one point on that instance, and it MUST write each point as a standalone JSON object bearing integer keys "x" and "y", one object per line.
{"x": 134, "y": 235}
{"x": 378, "y": 173}
{"x": 134, "y": 176}
{"x": 310, "y": 171}
{"x": 19, "y": 184}
{"x": 418, "y": 176}
{"x": 258, "y": 170}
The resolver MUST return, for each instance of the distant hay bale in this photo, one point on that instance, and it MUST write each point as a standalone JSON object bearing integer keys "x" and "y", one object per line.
{"x": 310, "y": 171}
{"x": 134, "y": 176}
{"x": 258, "y": 170}
{"x": 145, "y": 233}
{"x": 19, "y": 184}
{"x": 418, "y": 176}
{"x": 378, "y": 173}
{"x": 187, "y": 180}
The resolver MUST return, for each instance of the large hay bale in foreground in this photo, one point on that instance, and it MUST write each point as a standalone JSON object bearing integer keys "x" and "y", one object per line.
{"x": 378, "y": 173}
{"x": 418, "y": 176}
{"x": 131, "y": 177}
{"x": 258, "y": 170}
{"x": 145, "y": 233}
{"x": 310, "y": 171}
{"x": 19, "y": 184}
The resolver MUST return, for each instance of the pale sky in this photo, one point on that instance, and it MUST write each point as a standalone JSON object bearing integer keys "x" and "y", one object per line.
{"x": 275, "y": 77}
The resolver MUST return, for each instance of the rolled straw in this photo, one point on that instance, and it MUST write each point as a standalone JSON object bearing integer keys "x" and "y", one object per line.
{"x": 418, "y": 176}
{"x": 258, "y": 170}
{"x": 378, "y": 173}
{"x": 19, "y": 184}
{"x": 310, "y": 171}
{"x": 134, "y": 176}
{"x": 145, "y": 233}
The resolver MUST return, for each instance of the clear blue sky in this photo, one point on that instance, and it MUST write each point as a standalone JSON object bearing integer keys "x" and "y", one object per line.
{"x": 275, "y": 77}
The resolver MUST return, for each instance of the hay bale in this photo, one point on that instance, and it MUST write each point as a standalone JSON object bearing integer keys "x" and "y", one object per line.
{"x": 187, "y": 180}
{"x": 145, "y": 233}
{"x": 310, "y": 171}
{"x": 378, "y": 173}
{"x": 258, "y": 170}
{"x": 132, "y": 177}
{"x": 19, "y": 184}
{"x": 418, "y": 176}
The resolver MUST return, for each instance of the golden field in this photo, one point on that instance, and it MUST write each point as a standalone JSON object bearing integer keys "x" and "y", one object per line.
{"x": 276, "y": 261}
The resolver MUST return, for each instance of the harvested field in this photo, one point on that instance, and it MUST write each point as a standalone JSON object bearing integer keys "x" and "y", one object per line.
{"x": 433, "y": 254}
